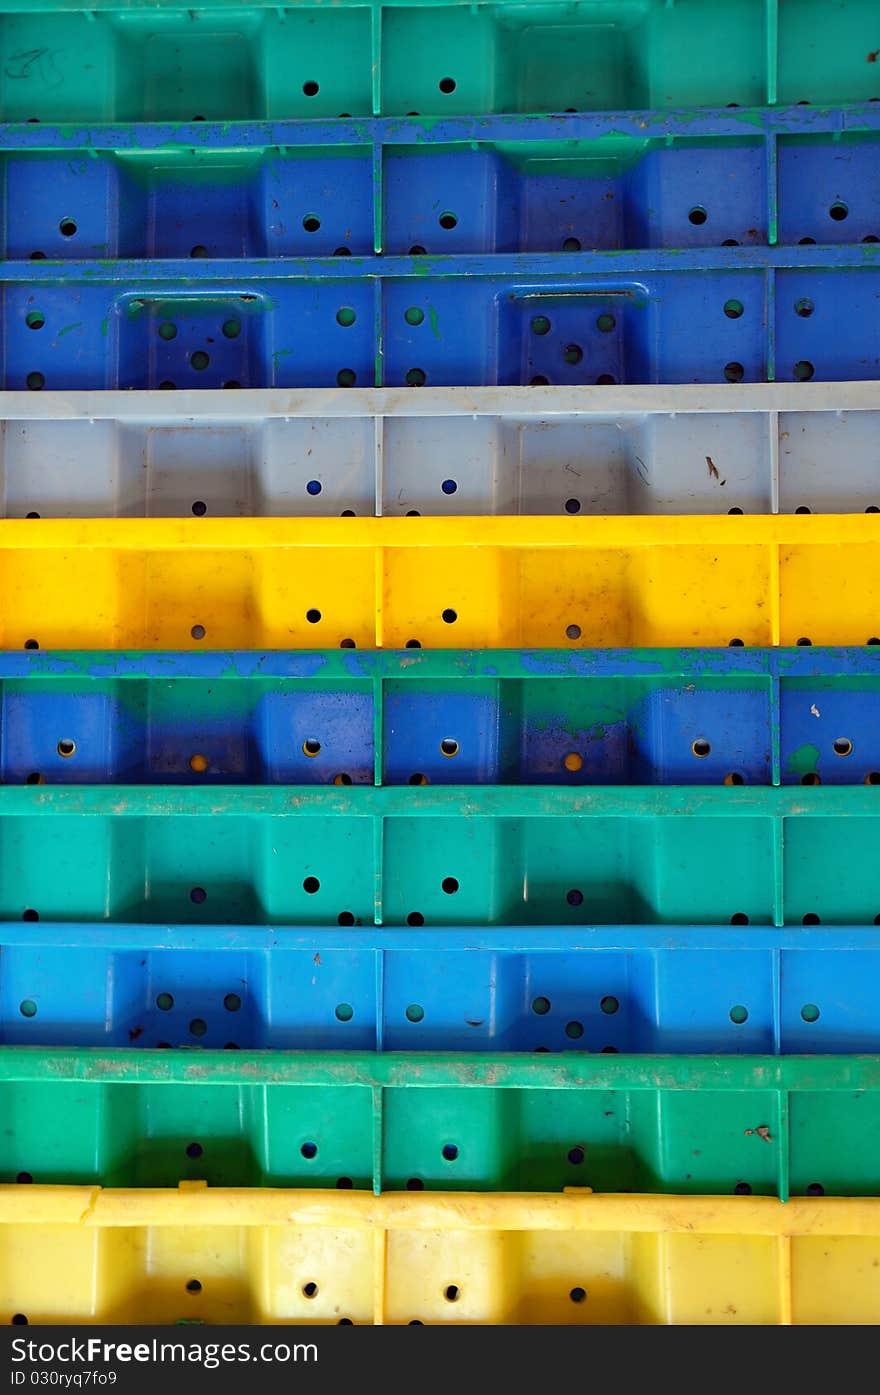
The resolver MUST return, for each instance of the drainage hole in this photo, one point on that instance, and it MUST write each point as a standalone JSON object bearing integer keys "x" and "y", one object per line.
{"x": 701, "y": 748}
{"x": 843, "y": 746}
{"x": 450, "y": 885}
{"x": 66, "y": 747}
{"x": 311, "y": 748}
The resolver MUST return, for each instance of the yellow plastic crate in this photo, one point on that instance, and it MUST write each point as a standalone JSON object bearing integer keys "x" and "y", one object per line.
{"x": 80, "y": 1254}
{"x": 442, "y": 583}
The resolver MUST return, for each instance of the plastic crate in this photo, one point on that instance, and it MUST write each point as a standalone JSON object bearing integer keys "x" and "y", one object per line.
{"x": 232, "y": 62}
{"x": 680, "y": 1124}
{"x": 438, "y": 583}
{"x": 477, "y": 319}
{"x": 197, "y": 1254}
{"x": 461, "y": 856}
{"x": 343, "y": 717}
{"x": 454, "y": 185}
{"x": 718, "y": 989}
{"x": 325, "y": 451}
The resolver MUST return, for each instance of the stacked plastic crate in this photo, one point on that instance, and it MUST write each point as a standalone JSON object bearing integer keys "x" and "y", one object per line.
{"x": 249, "y": 813}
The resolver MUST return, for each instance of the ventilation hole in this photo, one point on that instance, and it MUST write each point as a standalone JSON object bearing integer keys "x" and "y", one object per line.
{"x": 697, "y": 216}
{"x": 413, "y": 644}
{"x": 418, "y": 778}
{"x": 313, "y": 616}
{"x": 342, "y": 252}
{"x": 447, "y": 84}
{"x": 701, "y": 748}
{"x": 742, "y": 1189}
{"x": 344, "y": 1184}
{"x": 30, "y": 915}
{"x": 571, "y": 244}
{"x": 345, "y": 316}
{"x": 806, "y": 242}
{"x": 415, "y": 1012}
{"x": 449, "y": 616}
{"x": 345, "y": 918}
{"x": 66, "y": 747}
{"x": 198, "y": 764}
{"x": 232, "y": 1002}
{"x": 36, "y": 515}
{"x": 733, "y": 309}
{"x": 739, "y": 1014}
{"x": 803, "y": 642}
{"x": 347, "y": 644}
{"x": 574, "y": 1030}
{"x": 572, "y": 631}
{"x": 606, "y": 380}
{"x": 311, "y": 885}
{"x": 35, "y": 381}
{"x": 309, "y": 1150}
{"x": 449, "y": 486}
{"x": 18, "y": 1320}
{"x": 574, "y": 897}
{"x": 24, "y": 1177}
{"x": 572, "y": 354}
{"x": 874, "y": 640}
{"x": 803, "y": 508}
{"x": 449, "y": 885}
{"x": 344, "y": 1012}
{"x": 164, "y": 1002}
{"x": 197, "y": 1028}
{"x": 450, "y": 1152}
{"x": 310, "y": 89}
{"x": 811, "y": 919}
{"x": 198, "y": 895}
{"x": 413, "y": 513}
{"x": 311, "y": 223}
{"x": 199, "y": 508}
{"x": 311, "y": 748}
{"x": 734, "y": 372}
{"x": 540, "y": 325}
{"x": 27, "y": 1007}
{"x": 804, "y": 307}
{"x": 37, "y": 256}
{"x": 415, "y": 918}
{"x": 576, "y": 1156}
{"x": 167, "y": 386}
{"x": 843, "y": 746}
{"x": 310, "y": 1290}
{"x": 730, "y": 242}
{"x": 416, "y": 377}
{"x": 34, "y": 320}
{"x": 734, "y": 778}
{"x": 417, "y": 250}
{"x": 815, "y": 1189}
{"x": 838, "y": 211}
{"x": 609, "y": 1051}
{"x": 67, "y": 227}
{"x": 609, "y": 1004}
{"x": 739, "y": 918}
{"x": 198, "y": 632}
{"x": 34, "y": 644}
{"x": 193, "y": 1286}
{"x": 199, "y": 360}
{"x": 194, "y": 1150}
{"x": 541, "y": 1006}
{"x": 735, "y": 644}
{"x": 342, "y": 779}
{"x": 415, "y": 1184}
{"x": 809, "y": 1012}
{"x": 413, "y": 315}
{"x": 198, "y": 251}
{"x": 577, "y": 1295}
{"x": 448, "y": 221}
{"x": 452, "y": 1293}
{"x": 803, "y": 370}
{"x": 573, "y": 762}
{"x": 449, "y": 746}
{"x": 735, "y": 509}
{"x": 35, "y": 778}
{"x": 872, "y": 508}
{"x": 872, "y": 777}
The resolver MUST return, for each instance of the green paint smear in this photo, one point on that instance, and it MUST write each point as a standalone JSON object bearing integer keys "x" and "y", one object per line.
{"x": 432, "y": 316}
{"x": 67, "y": 328}
{"x": 803, "y": 761}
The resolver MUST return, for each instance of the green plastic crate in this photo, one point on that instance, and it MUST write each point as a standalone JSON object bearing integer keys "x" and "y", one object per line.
{"x": 164, "y": 62}
{"x": 695, "y": 1124}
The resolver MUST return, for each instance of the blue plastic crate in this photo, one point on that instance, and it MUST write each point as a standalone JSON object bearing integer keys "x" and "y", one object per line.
{"x": 518, "y": 717}
{"x": 715, "y": 989}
